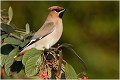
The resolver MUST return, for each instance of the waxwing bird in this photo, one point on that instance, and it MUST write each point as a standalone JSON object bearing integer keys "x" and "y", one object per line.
{"x": 49, "y": 33}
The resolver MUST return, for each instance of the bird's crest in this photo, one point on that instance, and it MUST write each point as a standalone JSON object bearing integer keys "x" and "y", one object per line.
{"x": 55, "y": 7}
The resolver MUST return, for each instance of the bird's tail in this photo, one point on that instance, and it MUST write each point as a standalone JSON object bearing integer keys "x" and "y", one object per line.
{"x": 21, "y": 53}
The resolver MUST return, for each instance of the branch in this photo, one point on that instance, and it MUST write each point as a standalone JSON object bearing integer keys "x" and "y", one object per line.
{"x": 60, "y": 63}
{"x": 11, "y": 34}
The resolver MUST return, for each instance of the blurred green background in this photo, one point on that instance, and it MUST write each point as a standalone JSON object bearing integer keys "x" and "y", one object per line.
{"x": 92, "y": 27}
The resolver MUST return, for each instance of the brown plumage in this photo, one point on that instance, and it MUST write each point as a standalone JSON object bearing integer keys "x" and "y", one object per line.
{"x": 55, "y": 7}
{"x": 49, "y": 33}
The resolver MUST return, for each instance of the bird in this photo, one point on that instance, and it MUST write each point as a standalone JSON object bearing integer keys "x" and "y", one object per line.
{"x": 49, "y": 33}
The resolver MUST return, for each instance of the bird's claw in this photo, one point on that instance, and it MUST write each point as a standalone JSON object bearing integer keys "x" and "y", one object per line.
{"x": 58, "y": 47}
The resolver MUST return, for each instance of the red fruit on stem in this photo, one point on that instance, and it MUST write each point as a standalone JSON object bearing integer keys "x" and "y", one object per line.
{"x": 2, "y": 72}
{"x": 44, "y": 75}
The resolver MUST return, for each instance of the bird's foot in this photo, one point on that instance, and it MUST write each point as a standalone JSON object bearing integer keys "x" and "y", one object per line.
{"x": 58, "y": 47}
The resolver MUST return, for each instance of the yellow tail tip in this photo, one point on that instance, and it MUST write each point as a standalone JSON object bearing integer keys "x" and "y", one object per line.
{"x": 15, "y": 57}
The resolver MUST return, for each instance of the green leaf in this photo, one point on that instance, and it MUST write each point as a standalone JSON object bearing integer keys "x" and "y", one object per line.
{"x": 31, "y": 68}
{"x": 16, "y": 33}
{"x": 10, "y": 59}
{"x": 24, "y": 43}
{"x": 7, "y": 28}
{"x": 4, "y": 36}
{"x": 6, "y": 49}
{"x": 2, "y": 45}
{"x": 30, "y": 53}
{"x": 28, "y": 35}
{"x": 3, "y": 59}
{"x": 70, "y": 72}
{"x": 13, "y": 26}
{"x": 27, "y": 28}
{"x": 10, "y": 14}
{"x": 11, "y": 40}
{"x": 19, "y": 58}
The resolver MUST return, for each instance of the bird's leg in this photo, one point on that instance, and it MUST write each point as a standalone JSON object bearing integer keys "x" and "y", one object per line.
{"x": 44, "y": 56}
{"x": 43, "y": 64}
{"x": 59, "y": 46}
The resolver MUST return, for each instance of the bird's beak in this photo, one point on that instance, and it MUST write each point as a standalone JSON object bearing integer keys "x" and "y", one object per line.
{"x": 64, "y": 10}
{"x": 61, "y": 13}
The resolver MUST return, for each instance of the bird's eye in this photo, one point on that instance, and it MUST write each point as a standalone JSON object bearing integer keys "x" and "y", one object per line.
{"x": 57, "y": 10}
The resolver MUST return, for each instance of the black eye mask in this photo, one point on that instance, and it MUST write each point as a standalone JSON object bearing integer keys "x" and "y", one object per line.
{"x": 57, "y": 10}
{"x": 61, "y": 12}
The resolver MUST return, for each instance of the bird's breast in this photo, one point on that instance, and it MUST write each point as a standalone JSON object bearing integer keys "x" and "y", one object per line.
{"x": 55, "y": 36}
{"x": 52, "y": 38}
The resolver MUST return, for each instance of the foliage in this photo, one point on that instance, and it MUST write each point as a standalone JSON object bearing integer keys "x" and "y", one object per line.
{"x": 92, "y": 27}
{"x": 47, "y": 64}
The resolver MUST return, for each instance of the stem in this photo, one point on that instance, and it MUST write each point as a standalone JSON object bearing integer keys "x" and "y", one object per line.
{"x": 60, "y": 63}
{"x": 59, "y": 46}
{"x": 44, "y": 59}
{"x": 11, "y": 34}
{"x": 15, "y": 75}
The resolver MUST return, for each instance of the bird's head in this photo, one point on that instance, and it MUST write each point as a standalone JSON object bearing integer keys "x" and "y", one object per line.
{"x": 57, "y": 11}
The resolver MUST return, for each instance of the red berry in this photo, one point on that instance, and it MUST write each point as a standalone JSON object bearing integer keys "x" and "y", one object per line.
{"x": 85, "y": 78}
{"x": 2, "y": 72}
{"x": 44, "y": 75}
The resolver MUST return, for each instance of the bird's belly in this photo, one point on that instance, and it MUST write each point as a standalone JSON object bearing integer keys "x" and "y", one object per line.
{"x": 49, "y": 40}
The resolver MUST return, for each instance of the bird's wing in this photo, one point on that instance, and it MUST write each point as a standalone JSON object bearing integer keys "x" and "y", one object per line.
{"x": 45, "y": 30}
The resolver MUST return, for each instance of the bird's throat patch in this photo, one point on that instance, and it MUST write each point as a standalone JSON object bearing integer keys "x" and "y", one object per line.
{"x": 61, "y": 14}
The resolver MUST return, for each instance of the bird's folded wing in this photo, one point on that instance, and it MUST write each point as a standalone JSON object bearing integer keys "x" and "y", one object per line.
{"x": 45, "y": 30}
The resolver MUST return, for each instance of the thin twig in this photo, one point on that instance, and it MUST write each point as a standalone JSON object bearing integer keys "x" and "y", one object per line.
{"x": 44, "y": 58}
{"x": 60, "y": 63}
{"x": 59, "y": 46}
{"x": 14, "y": 75}
{"x": 11, "y": 34}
